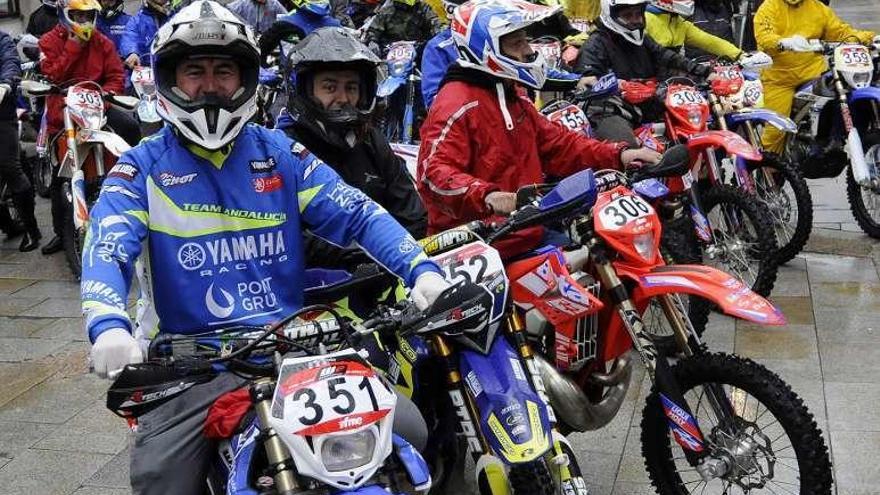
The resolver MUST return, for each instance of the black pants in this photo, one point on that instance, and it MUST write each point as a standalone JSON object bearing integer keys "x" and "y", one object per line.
{"x": 10, "y": 163}
{"x": 126, "y": 126}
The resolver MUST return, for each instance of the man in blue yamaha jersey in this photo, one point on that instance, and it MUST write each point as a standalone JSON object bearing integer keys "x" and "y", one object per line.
{"x": 217, "y": 207}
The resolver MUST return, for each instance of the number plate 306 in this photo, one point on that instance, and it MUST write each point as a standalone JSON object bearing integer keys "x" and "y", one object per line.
{"x": 623, "y": 211}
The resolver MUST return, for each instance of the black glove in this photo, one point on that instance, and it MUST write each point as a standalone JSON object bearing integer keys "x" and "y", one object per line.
{"x": 700, "y": 70}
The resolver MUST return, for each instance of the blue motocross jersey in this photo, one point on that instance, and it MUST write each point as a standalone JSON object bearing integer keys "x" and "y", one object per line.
{"x": 221, "y": 244}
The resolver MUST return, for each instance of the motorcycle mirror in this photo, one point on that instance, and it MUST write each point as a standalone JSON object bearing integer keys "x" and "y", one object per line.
{"x": 124, "y": 102}
{"x": 674, "y": 162}
{"x": 35, "y": 88}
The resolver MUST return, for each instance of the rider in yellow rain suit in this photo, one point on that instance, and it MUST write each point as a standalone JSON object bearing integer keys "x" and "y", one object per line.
{"x": 777, "y": 23}
{"x": 673, "y": 30}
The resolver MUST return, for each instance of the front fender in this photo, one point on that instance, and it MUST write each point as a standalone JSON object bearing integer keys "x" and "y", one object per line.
{"x": 511, "y": 414}
{"x": 732, "y": 143}
{"x": 390, "y": 85}
{"x": 760, "y": 115}
{"x": 113, "y": 143}
{"x": 869, "y": 93}
{"x": 732, "y": 296}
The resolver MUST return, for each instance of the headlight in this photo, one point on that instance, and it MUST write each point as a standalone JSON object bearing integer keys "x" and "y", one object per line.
{"x": 93, "y": 118}
{"x": 398, "y": 68}
{"x": 344, "y": 452}
{"x": 644, "y": 244}
{"x": 861, "y": 79}
{"x": 695, "y": 117}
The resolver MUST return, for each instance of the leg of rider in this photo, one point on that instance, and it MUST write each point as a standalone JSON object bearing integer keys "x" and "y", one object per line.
{"x": 8, "y": 146}
{"x": 125, "y": 125}
{"x": 170, "y": 454}
{"x": 409, "y": 423}
{"x": 22, "y": 192}
{"x": 59, "y": 202}
{"x": 615, "y": 128}
{"x": 779, "y": 97}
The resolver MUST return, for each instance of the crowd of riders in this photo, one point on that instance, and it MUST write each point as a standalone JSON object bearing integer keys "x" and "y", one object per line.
{"x": 347, "y": 196}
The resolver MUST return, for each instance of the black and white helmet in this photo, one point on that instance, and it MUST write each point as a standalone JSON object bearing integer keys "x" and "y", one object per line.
{"x": 609, "y": 16}
{"x": 205, "y": 29}
{"x": 334, "y": 48}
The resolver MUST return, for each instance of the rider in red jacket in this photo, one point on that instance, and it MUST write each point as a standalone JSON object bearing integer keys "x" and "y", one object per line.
{"x": 483, "y": 138}
{"x": 72, "y": 52}
{"x": 68, "y": 58}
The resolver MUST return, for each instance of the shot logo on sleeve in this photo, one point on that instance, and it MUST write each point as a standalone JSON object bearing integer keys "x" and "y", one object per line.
{"x": 125, "y": 171}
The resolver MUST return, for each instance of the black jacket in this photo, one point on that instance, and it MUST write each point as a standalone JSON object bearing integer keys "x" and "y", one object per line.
{"x": 42, "y": 21}
{"x": 10, "y": 73}
{"x": 606, "y": 51}
{"x": 715, "y": 19}
{"x": 370, "y": 166}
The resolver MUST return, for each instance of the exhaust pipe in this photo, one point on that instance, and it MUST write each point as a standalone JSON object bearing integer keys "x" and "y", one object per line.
{"x": 573, "y": 407}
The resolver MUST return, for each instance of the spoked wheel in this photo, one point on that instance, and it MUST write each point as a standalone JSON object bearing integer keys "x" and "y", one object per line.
{"x": 783, "y": 191}
{"x": 766, "y": 443}
{"x": 744, "y": 240}
{"x": 865, "y": 201}
{"x": 659, "y": 327}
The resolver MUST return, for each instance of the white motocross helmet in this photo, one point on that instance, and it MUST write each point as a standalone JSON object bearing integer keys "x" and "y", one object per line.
{"x": 684, "y": 8}
{"x": 608, "y": 16}
{"x": 205, "y": 29}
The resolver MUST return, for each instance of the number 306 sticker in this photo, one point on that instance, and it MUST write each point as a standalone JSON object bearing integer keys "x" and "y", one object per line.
{"x": 622, "y": 211}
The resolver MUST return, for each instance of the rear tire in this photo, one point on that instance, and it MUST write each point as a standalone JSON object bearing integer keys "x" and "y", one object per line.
{"x": 791, "y": 236}
{"x": 804, "y": 459}
{"x": 861, "y": 209}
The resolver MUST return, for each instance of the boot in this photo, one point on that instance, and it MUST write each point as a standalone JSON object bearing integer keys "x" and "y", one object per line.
{"x": 55, "y": 245}
{"x": 24, "y": 202}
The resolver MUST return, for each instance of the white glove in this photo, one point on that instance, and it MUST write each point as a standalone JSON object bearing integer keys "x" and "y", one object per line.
{"x": 796, "y": 43}
{"x": 876, "y": 41}
{"x": 113, "y": 349}
{"x": 427, "y": 289}
{"x": 755, "y": 60}
{"x": 4, "y": 90}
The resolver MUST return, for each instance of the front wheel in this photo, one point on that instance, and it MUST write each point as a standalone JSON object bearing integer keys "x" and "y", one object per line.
{"x": 73, "y": 237}
{"x": 781, "y": 188}
{"x": 768, "y": 443}
{"x": 42, "y": 174}
{"x": 744, "y": 241}
{"x": 864, "y": 202}
{"x": 532, "y": 478}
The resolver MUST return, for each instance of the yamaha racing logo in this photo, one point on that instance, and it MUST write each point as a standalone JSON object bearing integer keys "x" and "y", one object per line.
{"x": 223, "y": 255}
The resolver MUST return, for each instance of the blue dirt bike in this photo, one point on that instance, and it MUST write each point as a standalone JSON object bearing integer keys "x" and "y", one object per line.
{"x": 316, "y": 420}
{"x": 400, "y": 91}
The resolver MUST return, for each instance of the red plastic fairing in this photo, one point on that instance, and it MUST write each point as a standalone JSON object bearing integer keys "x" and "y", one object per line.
{"x": 730, "y": 141}
{"x": 731, "y": 295}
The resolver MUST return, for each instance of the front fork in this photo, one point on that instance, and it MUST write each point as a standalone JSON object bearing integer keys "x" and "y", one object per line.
{"x": 491, "y": 472}
{"x": 682, "y": 424}
{"x": 409, "y": 109}
{"x": 277, "y": 455}
{"x": 854, "y": 149}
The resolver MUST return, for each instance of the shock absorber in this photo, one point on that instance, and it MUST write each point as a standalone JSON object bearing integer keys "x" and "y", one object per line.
{"x": 280, "y": 463}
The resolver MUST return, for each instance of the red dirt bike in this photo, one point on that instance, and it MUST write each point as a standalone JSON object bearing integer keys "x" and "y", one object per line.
{"x": 729, "y": 229}
{"x": 713, "y": 421}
